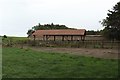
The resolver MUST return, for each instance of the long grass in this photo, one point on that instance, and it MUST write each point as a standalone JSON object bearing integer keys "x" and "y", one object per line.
{"x": 26, "y": 63}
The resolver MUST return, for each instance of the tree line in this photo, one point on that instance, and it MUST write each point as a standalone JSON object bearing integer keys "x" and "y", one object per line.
{"x": 46, "y": 27}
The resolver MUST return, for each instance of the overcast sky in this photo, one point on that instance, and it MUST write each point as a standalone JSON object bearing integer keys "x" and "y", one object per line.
{"x": 17, "y": 16}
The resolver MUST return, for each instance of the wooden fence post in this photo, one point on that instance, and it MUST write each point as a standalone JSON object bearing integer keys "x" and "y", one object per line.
{"x": 102, "y": 44}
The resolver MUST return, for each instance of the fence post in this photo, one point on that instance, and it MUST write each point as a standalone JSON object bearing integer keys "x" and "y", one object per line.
{"x": 112, "y": 44}
{"x": 102, "y": 44}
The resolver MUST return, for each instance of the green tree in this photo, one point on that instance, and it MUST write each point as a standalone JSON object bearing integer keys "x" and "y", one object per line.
{"x": 112, "y": 23}
{"x": 4, "y": 36}
{"x": 30, "y": 31}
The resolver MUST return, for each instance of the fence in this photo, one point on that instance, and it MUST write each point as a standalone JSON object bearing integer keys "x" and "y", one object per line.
{"x": 76, "y": 44}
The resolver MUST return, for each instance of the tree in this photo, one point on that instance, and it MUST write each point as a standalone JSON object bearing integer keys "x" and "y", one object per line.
{"x": 4, "y": 36}
{"x": 112, "y": 23}
{"x": 49, "y": 26}
{"x": 30, "y": 31}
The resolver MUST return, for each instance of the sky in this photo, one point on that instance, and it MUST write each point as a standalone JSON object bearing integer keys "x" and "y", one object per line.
{"x": 18, "y": 16}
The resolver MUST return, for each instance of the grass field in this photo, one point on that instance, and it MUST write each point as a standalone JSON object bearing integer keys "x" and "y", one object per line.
{"x": 9, "y": 41}
{"x": 26, "y": 63}
{"x": 16, "y": 38}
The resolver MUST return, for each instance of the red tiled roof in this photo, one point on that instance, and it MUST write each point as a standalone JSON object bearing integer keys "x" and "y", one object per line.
{"x": 59, "y": 32}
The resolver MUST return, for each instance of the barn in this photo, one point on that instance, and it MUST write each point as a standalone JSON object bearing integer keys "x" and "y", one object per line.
{"x": 62, "y": 34}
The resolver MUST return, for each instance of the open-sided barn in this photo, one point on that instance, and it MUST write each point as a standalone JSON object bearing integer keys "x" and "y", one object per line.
{"x": 64, "y": 34}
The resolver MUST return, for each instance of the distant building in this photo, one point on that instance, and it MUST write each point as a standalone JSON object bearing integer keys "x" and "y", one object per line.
{"x": 94, "y": 37}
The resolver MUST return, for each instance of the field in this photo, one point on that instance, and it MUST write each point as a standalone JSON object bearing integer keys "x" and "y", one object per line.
{"x": 9, "y": 41}
{"x": 91, "y": 52}
{"x": 28, "y": 63}
{"x": 14, "y": 39}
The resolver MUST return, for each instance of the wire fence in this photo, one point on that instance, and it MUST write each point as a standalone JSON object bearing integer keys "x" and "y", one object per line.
{"x": 76, "y": 44}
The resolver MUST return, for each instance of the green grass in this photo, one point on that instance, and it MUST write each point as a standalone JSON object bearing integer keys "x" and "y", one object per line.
{"x": 17, "y": 38}
{"x": 26, "y": 63}
{"x": 14, "y": 40}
